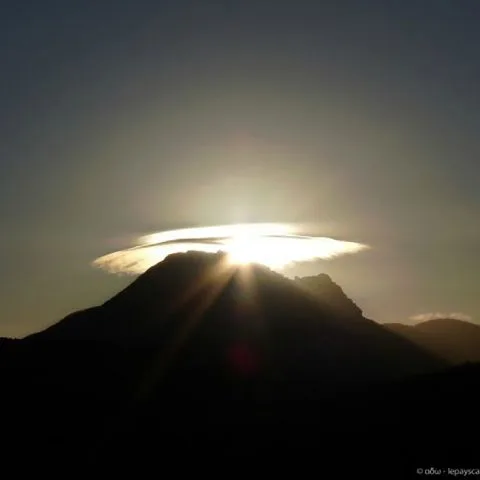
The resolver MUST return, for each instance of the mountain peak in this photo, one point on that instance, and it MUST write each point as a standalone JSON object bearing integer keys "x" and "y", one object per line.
{"x": 326, "y": 290}
{"x": 202, "y": 317}
{"x": 183, "y": 281}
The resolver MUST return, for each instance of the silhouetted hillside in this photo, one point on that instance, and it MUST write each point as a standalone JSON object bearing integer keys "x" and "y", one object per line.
{"x": 199, "y": 357}
{"x": 211, "y": 308}
{"x": 329, "y": 293}
{"x": 457, "y": 341}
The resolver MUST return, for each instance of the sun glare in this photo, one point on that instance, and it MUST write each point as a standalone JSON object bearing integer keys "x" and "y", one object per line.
{"x": 247, "y": 248}
{"x": 272, "y": 245}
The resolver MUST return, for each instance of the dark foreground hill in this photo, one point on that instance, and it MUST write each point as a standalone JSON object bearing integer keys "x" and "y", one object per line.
{"x": 457, "y": 341}
{"x": 198, "y": 361}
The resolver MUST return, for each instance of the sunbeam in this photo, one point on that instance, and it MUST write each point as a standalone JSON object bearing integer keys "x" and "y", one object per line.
{"x": 208, "y": 288}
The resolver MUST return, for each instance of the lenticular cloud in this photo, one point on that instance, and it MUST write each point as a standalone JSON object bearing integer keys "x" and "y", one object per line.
{"x": 273, "y": 245}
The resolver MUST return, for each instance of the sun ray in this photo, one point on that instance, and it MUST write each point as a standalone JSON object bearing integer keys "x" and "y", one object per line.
{"x": 212, "y": 285}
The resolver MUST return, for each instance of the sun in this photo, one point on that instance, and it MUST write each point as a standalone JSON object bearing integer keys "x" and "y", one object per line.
{"x": 242, "y": 249}
{"x": 246, "y": 248}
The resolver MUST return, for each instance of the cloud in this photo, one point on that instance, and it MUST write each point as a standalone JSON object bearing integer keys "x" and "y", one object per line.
{"x": 423, "y": 317}
{"x": 274, "y": 245}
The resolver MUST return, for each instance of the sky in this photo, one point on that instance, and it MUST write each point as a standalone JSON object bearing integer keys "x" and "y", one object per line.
{"x": 123, "y": 118}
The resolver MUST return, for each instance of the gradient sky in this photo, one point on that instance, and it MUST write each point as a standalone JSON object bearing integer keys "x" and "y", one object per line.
{"x": 121, "y": 118}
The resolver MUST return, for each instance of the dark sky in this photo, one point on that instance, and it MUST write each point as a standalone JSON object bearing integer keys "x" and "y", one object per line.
{"x": 119, "y": 118}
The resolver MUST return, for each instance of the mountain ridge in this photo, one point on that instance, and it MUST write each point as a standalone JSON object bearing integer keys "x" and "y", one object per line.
{"x": 458, "y": 341}
{"x": 197, "y": 354}
{"x": 194, "y": 312}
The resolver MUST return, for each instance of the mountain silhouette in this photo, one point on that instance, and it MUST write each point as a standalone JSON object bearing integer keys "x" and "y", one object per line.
{"x": 329, "y": 293}
{"x": 212, "y": 307}
{"x": 199, "y": 357}
{"x": 457, "y": 341}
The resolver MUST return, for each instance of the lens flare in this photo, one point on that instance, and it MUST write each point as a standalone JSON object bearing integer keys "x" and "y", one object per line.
{"x": 273, "y": 245}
